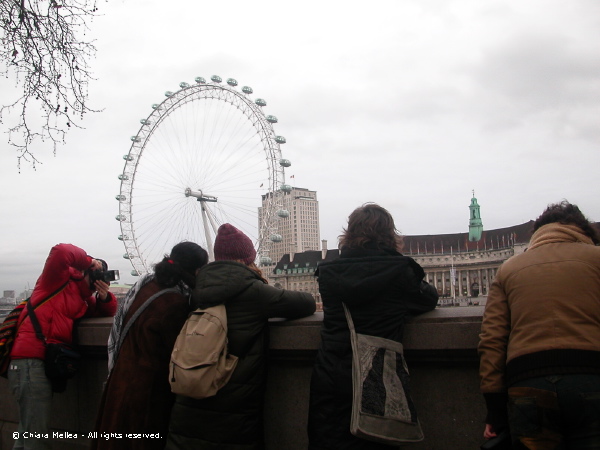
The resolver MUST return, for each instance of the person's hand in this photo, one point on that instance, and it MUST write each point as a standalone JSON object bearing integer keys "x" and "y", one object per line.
{"x": 102, "y": 289}
{"x": 489, "y": 431}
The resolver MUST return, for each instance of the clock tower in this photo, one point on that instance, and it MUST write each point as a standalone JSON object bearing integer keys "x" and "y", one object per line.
{"x": 475, "y": 224}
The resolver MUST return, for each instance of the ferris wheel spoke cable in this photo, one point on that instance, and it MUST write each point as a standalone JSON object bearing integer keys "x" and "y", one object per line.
{"x": 248, "y": 220}
{"x": 249, "y": 174}
{"x": 235, "y": 213}
{"x": 165, "y": 227}
{"x": 233, "y": 179}
{"x": 224, "y": 163}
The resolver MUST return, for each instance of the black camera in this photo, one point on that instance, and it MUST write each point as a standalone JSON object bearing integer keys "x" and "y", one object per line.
{"x": 103, "y": 275}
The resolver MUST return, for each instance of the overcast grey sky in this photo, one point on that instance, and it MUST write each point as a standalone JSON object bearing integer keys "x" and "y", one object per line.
{"x": 409, "y": 104}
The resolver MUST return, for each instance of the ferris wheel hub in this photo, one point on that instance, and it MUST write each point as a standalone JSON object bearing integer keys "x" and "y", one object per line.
{"x": 199, "y": 195}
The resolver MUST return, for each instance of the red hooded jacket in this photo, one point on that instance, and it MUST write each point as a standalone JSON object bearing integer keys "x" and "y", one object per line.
{"x": 65, "y": 265}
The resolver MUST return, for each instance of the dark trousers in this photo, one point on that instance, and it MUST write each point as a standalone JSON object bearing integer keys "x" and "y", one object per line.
{"x": 556, "y": 412}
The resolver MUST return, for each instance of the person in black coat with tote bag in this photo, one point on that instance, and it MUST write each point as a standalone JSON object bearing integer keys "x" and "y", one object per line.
{"x": 382, "y": 289}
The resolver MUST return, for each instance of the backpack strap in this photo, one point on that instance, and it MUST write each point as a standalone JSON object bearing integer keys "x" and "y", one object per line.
{"x": 140, "y": 310}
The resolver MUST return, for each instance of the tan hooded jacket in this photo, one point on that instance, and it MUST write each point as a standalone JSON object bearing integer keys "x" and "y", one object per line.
{"x": 543, "y": 311}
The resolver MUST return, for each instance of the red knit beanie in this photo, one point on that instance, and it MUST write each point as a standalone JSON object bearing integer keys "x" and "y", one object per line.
{"x": 232, "y": 244}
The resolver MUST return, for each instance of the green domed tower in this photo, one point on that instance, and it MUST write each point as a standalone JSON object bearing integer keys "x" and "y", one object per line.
{"x": 475, "y": 224}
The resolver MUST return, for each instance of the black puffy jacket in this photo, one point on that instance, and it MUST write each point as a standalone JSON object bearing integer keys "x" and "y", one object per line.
{"x": 232, "y": 419}
{"x": 381, "y": 288}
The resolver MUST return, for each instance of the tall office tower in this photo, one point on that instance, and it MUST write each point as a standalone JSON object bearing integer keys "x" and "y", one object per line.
{"x": 298, "y": 224}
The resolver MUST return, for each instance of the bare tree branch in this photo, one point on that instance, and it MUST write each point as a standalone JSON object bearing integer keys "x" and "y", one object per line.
{"x": 43, "y": 47}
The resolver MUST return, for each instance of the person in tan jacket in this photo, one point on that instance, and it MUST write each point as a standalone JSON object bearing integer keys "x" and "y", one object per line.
{"x": 540, "y": 339}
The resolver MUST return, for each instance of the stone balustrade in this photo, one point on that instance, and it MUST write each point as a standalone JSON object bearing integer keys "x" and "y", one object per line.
{"x": 440, "y": 351}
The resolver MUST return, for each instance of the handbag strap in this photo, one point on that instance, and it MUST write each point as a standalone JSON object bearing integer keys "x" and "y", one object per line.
{"x": 140, "y": 310}
{"x": 353, "y": 337}
{"x": 36, "y": 323}
{"x": 33, "y": 317}
{"x": 349, "y": 318}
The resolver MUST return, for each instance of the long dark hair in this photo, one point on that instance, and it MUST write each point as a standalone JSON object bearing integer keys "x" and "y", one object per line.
{"x": 567, "y": 214}
{"x": 373, "y": 225}
{"x": 181, "y": 265}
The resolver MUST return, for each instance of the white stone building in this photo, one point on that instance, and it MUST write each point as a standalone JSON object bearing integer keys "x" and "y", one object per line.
{"x": 298, "y": 223}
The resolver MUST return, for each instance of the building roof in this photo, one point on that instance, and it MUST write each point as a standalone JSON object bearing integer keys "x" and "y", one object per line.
{"x": 459, "y": 242}
{"x": 309, "y": 258}
{"x": 431, "y": 244}
{"x": 424, "y": 244}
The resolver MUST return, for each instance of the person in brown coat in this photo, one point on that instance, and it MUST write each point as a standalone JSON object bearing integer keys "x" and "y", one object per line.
{"x": 539, "y": 345}
{"x": 137, "y": 398}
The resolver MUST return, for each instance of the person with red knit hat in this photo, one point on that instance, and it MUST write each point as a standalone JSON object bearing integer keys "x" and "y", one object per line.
{"x": 232, "y": 419}
{"x": 233, "y": 245}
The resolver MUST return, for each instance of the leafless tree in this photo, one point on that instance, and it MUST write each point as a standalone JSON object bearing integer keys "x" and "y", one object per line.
{"x": 43, "y": 47}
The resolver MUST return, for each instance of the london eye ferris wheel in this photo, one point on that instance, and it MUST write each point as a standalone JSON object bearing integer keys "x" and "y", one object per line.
{"x": 205, "y": 156}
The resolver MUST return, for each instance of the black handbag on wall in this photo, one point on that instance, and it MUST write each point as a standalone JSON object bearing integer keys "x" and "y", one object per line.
{"x": 500, "y": 442}
{"x": 61, "y": 361}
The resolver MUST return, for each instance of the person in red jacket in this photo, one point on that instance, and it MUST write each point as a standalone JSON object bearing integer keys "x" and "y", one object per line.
{"x": 66, "y": 279}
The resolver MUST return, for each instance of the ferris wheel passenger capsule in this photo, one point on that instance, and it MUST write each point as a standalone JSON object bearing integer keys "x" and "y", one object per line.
{"x": 128, "y": 157}
{"x": 216, "y": 78}
{"x": 123, "y": 177}
{"x": 286, "y": 188}
{"x": 232, "y": 82}
{"x": 135, "y": 139}
{"x": 272, "y": 119}
{"x": 265, "y": 260}
{"x": 276, "y": 238}
{"x": 121, "y": 197}
{"x": 127, "y": 256}
{"x": 145, "y": 122}
{"x": 135, "y": 273}
{"x": 260, "y": 102}
{"x": 123, "y": 237}
{"x": 156, "y": 106}
{"x": 121, "y": 218}
{"x": 247, "y": 90}
{"x": 285, "y": 163}
{"x": 280, "y": 139}
{"x": 183, "y": 85}
{"x": 168, "y": 94}
{"x": 200, "y": 80}
{"x": 283, "y": 213}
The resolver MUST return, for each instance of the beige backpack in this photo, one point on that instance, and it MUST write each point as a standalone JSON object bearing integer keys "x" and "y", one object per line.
{"x": 200, "y": 364}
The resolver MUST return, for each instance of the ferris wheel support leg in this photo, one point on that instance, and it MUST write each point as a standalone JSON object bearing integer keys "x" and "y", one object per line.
{"x": 212, "y": 223}
{"x": 209, "y": 242}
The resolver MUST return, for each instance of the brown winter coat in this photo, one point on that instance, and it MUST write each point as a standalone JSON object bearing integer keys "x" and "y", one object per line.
{"x": 547, "y": 298}
{"x": 137, "y": 397}
{"x": 542, "y": 315}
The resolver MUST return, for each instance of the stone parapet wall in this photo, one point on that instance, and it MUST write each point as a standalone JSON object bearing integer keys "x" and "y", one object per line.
{"x": 440, "y": 351}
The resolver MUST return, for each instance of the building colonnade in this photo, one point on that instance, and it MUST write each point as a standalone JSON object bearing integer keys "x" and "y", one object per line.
{"x": 468, "y": 282}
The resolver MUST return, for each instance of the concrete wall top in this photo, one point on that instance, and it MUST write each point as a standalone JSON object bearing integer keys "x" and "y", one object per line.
{"x": 452, "y": 328}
